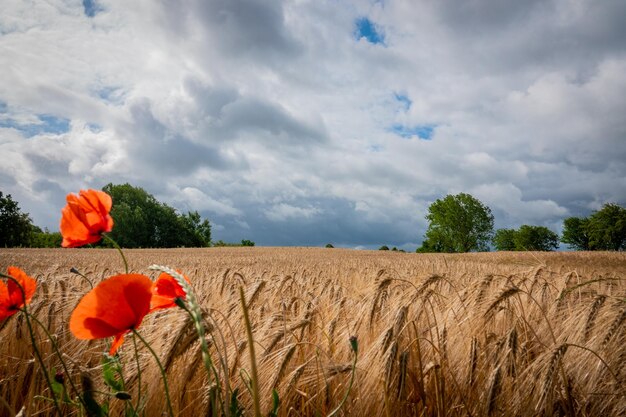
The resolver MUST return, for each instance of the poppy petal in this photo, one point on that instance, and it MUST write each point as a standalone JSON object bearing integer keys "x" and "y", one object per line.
{"x": 165, "y": 291}
{"x": 115, "y": 305}
{"x": 5, "y": 302}
{"x": 4, "y": 293}
{"x": 117, "y": 342}
{"x": 85, "y": 217}
{"x": 159, "y": 302}
{"x": 27, "y": 283}
{"x": 138, "y": 295}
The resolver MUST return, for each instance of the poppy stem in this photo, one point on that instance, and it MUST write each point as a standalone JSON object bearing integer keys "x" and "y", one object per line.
{"x": 163, "y": 376}
{"x": 77, "y": 272}
{"x": 34, "y": 344}
{"x": 138, "y": 373}
{"x": 354, "y": 345}
{"x": 58, "y": 353}
{"x": 191, "y": 306}
{"x": 206, "y": 357}
{"x": 116, "y": 246}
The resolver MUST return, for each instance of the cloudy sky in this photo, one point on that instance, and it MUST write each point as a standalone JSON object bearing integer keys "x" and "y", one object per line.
{"x": 304, "y": 122}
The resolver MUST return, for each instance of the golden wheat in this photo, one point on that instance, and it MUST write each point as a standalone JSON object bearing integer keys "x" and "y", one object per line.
{"x": 438, "y": 335}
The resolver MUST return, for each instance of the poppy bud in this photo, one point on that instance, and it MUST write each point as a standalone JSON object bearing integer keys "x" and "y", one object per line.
{"x": 180, "y": 302}
{"x": 59, "y": 377}
{"x": 122, "y": 395}
{"x": 354, "y": 344}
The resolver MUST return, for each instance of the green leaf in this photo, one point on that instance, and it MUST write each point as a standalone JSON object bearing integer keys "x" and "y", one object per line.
{"x": 275, "y": 404}
{"x": 112, "y": 372}
{"x": 235, "y": 408}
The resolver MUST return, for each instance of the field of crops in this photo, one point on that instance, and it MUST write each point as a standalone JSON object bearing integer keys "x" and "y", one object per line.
{"x": 519, "y": 334}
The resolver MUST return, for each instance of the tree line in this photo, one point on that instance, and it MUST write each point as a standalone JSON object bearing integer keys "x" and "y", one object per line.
{"x": 457, "y": 223}
{"x": 141, "y": 221}
{"x": 461, "y": 223}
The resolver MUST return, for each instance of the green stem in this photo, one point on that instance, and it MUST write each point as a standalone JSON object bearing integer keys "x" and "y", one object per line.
{"x": 206, "y": 358}
{"x": 58, "y": 353}
{"x": 77, "y": 272}
{"x": 196, "y": 317}
{"x": 163, "y": 376}
{"x": 116, "y": 246}
{"x": 255, "y": 378}
{"x": 354, "y": 346}
{"x": 137, "y": 407}
{"x": 34, "y": 344}
{"x": 191, "y": 306}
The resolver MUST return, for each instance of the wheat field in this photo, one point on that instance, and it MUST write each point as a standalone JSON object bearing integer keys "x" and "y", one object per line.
{"x": 484, "y": 334}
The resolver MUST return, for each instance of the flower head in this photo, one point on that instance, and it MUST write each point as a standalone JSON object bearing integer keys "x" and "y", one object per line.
{"x": 11, "y": 296}
{"x": 85, "y": 218}
{"x": 114, "y": 307}
{"x": 165, "y": 292}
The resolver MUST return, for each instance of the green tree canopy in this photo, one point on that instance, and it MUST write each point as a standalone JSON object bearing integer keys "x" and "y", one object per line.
{"x": 575, "y": 233}
{"x": 141, "y": 221}
{"x": 458, "y": 223}
{"x": 604, "y": 229}
{"x": 504, "y": 239}
{"x": 44, "y": 238}
{"x": 15, "y": 226}
{"x": 607, "y": 228}
{"x": 535, "y": 238}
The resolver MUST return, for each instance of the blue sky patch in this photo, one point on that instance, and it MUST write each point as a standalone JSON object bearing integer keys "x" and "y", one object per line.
{"x": 94, "y": 127}
{"x": 365, "y": 28}
{"x": 49, "y": 124}
{"x": 113, "y": 95}
{"x": 424, "y": 132}
{"x": 91, "y": 7}
{"x": 404, "y": 100}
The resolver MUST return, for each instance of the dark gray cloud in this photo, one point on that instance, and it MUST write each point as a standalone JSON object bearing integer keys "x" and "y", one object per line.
{"x": 247, "y": 27}
{"x": 251, "y": 30}
{"x": 334, "y": 220}
{"x": 224, "y": 115}
{"x": 165, "y": 151}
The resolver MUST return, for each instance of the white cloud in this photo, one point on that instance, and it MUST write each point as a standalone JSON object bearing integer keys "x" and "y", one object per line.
{"x": 275, "y": 123}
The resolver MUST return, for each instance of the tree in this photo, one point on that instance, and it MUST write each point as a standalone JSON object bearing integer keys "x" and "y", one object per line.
{"x": 430, "y": 247}
{"x": 459, "y": 223}
{"x": 44, "y": 238}
{"x": 15, "y": 226}
{"x": 604, "y": 229}
{"x": 504, "y": 239}
{"x": 141, "y": 221}
{"x": 537, "y": 238}
{"x": 575, "y": 233}
{"x": 384, "y": 247}
{"x": 198, "y": 230}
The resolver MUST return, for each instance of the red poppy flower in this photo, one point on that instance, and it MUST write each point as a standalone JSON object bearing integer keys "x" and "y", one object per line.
{"x": 11, "y": 297}
{"x": 85, "y": 218}
{"x": 114, "y": 307}
{"x": 165, "y": 292}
